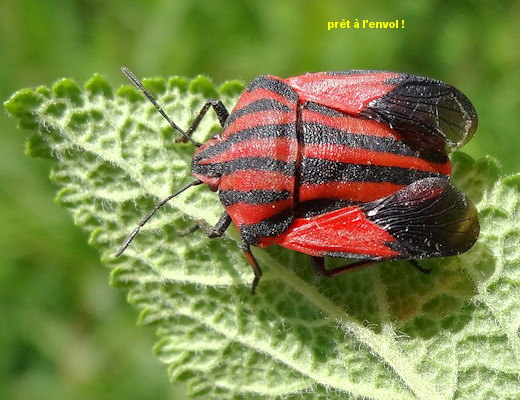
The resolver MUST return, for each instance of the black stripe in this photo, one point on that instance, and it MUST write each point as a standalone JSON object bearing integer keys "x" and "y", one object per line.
{"x": 355, "y": 72}
{"x": 420, "y": 91}
{"x": 259, "y": 105}
{"x": 257, "y": 132}
{"x": 257, "y": 196}
{"x": 316, "y": 171}
{"x": 324, "y": 110}
{"x": 419, "y": 134}
{"x": 415, "y": 79}
{"x": 216, "y": 170}
{"x": 315, "y": 132}
{"x": 269, "y": 227}
{"x": 311, "y": 208}
{"x": 274, "y": 85}
{"x": 298, "y": 158}
{"x": 355, "y": 256}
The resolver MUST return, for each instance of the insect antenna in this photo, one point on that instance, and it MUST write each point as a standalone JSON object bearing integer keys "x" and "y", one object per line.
{"x": 143, "y": 222}
{"x": 140, "y": 86}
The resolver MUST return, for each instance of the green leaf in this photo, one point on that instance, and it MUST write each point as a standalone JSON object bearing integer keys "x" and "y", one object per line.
{"x": 383, "y": 332}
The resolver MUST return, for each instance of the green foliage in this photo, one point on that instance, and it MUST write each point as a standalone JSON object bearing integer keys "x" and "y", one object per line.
{"x": 384, "y": 332}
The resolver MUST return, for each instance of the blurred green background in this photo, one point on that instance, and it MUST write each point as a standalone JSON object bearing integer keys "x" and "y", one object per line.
{"x": 64, "y": 332}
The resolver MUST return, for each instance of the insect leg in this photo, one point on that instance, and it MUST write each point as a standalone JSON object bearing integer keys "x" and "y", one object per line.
{"x": 217, "y": 231}
{"x": 254, "y": 264}
{"x": 419, "y": 267}
{"x": 220, "y": 110}
{"x": 212, "y": 232}
{"x": 318, "y": 263}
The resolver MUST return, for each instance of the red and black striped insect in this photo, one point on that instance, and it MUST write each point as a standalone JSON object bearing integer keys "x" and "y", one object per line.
{"x": 346, "y": 164}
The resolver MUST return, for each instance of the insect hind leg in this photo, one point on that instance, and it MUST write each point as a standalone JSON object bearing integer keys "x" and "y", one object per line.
{"x": 318, "y": 263}
{"x": 419, "y": 267}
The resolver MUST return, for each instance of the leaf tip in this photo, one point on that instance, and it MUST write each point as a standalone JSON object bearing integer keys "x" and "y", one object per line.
{"x": 22, "y": 103}
{"x": 203, "y": 85}
{"x": 68, "y": 89}
{"x": 178, "y": 82}
{"x": 98, "y": 86}
{"x": 232, "y": 88}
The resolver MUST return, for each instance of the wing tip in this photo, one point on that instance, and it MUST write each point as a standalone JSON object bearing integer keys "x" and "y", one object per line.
{"x": 429, "y": 112}
{"x": 428, "y": 218}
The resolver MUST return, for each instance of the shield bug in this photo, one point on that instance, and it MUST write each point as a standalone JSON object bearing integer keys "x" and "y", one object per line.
{"x": 349, "y": 164}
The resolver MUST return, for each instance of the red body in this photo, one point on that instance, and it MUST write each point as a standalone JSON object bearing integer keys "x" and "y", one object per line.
{"x": 305, "y": 162}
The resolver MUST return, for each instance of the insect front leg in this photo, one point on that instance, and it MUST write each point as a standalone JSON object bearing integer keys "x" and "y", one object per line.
{"x": 217, "y": 231}
{"x": 220, "y": 110}
{"x": 212, "y": 232}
